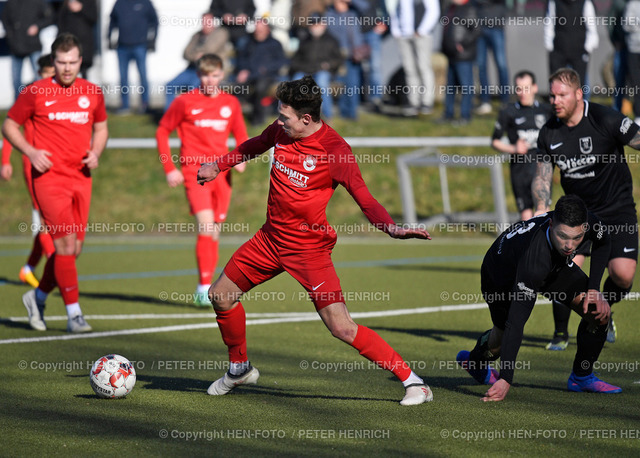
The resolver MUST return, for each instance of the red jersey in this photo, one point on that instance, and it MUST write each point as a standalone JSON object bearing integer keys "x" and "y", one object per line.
{"x": 63, "y": 119}
{"x": 204, "y": 124}
{"x": 304, "y": 175}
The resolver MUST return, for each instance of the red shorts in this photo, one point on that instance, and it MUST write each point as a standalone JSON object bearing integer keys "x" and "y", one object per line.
{"x": 260, "y": 259}
{"x": 215, "y": 195}
{"x": 64, "y": 203}
{"x": 26, "y": 170}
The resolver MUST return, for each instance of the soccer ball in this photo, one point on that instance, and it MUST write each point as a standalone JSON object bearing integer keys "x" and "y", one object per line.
{"x": 112, "y": 376}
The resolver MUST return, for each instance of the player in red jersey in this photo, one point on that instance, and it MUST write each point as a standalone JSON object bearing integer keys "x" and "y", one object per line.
{"x": 70, "y": 133}
{"x": 310, "y": 160}
{"x": 42, "y": 242}
{"x": 204, "y": 119}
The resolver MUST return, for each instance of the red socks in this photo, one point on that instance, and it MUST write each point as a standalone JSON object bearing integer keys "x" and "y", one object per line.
{"x": 376, "y": 349}
{"x": 206, "y": 257}
{"x": 233, "y": 327}
{"x": 46, "y": 242}
{"x": 66, "y": 276}
{"x": 48, "y": 280}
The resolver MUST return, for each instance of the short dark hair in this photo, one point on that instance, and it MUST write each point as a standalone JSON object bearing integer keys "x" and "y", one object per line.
{"x": 571, "y": 211}
{"x": 46, "y": 60}
{"x": 65, "y": 42}
{"x": 303, "y": 95}
{"x": 523, "y": 73}
{"x": 566, "y": 76}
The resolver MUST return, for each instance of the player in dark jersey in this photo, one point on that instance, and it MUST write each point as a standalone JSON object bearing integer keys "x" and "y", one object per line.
{"x": 310, "y": 160}
{"x": 586, "y": 142}
{"x": 536, "y": 256}
{"x": 521, "y": 122}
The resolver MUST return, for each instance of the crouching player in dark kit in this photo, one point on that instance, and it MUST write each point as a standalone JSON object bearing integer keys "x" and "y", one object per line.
{"x": 536, "y": 256}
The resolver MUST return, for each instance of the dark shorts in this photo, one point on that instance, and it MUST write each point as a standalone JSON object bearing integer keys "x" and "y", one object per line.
{"x": 624, "y": 238}
{"x": 564, "y": 286}
{"x": 521, "y": 177}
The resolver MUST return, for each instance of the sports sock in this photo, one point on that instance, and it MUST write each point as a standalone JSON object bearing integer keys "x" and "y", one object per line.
{"x": 561, "y": 314}
{"x": 206, "y": 257}
{"x": 233, "y": 327}
{"x": 48, "y": 248}
{"x": 48, "y": 280}
{"x": 413, "y": 379}
{"x": 36, "y": 252}
{"x": 67, "y": 277}
{"x": 41, "y": 296}
{"x": 590, "y": 342}
{"x": 238, "y": 368}
{"x": 73, "y": 310}
{"x": 376, "y": 349}
{"x": 612, "y": 292}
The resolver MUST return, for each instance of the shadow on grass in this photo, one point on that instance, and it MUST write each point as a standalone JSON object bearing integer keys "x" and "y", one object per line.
{"x": 436, "y": 268}
{"x": 11, "y": 281}
{"x": 441, "y": 335}
{"x": 139, "y": 298}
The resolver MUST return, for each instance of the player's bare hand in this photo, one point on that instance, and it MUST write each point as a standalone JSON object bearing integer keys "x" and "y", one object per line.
{"x": 497, "y": 392}
{"x": 240, "y": 167}
{"x": 400, "y": 232}
{"x": 602, "y": 312}
{"x": 522, "y": 147}
{"x": 175, "y": 178}
{"x": 6, "y": 172}
{"x": 207, "y": 172}
{"x": 91, "y": 160}
{"x": 40, "y": 160}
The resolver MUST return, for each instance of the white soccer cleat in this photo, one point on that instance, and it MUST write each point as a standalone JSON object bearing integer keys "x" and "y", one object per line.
{"x": 417, "y": 394}
{"x": 78, "y": 324}
{"x": 228, "y": 382}
{"x": 35, "y": 312}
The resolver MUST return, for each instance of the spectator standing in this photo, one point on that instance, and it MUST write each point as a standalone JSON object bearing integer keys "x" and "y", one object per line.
{"x": 618, "y": 41}
{"x": 492, "y": 13}
{"x": 23, "y": 20}
{"x": 235, "y": 15}
{"x": 632, "y": 40}
{"x": 412, "y": 25}
{"x": 136, "y": 23}
{"x": 79, "y": 18}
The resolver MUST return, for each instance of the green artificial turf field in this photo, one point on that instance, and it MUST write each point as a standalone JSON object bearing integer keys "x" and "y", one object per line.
{"x": 316, "y": 395}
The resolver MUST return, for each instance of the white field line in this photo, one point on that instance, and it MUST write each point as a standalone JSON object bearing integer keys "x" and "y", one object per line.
{"x": 261, "y": 318}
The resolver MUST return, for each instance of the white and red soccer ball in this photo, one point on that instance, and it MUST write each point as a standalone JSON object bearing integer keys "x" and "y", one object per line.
{"x": 112, "y": 376}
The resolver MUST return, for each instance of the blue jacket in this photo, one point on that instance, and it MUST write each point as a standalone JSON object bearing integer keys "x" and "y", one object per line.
{"x": 263, "y": 59}
{"x": 136, "y": 22}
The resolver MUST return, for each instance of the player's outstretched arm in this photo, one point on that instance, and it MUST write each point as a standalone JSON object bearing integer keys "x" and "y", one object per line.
{"x": 541, "y": 187}
{"x": 207, "y": 172}
{"x": 400, "y": 232}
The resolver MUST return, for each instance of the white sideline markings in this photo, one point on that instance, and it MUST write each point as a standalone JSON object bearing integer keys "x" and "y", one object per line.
{"x": 262, "y": 318}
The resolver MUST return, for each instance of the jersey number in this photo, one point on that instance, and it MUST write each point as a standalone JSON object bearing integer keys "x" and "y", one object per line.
{"x": 521, "y": 230}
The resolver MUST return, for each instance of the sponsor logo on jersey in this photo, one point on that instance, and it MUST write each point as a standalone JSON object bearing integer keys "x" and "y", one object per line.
{"x": 556, "y": 145}
{"x": 48, "y": 103}
{"x": 76, "y": 117}
{"x": 197, "y": 111}
{"x": 520, "y": 120}
{"x": 529, "y": 292}
{"x": 628, "y": 250}
{"x": 309, "y": 163}
{"x": 624, "y": 126}
{"x": 298, "y": 179}
{"x": 84, "y": 102}
{"x": 225, "y": 112}
{"x": 573, "y": 164}
{"x": 216, "y": 124}
{"x": 586, "y": 145}
{"x": 529, "y": 135}
{"x": 540, "y": 120}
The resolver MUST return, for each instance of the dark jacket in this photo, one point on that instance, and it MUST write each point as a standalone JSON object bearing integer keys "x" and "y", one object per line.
{"x": 17, "y": 17}
{"x": 315, "y": 54}
{"x": 136, "y": 21}
{"x": 461, "y": 28}
{"x": 82, "y": 25}
{"x": 234, "y": 7}
{"x": 263, "y": 59}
